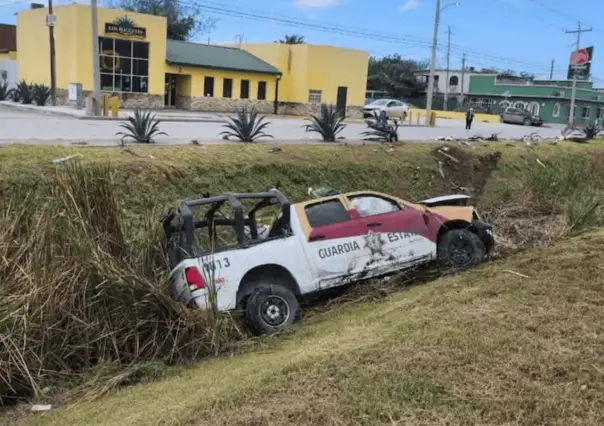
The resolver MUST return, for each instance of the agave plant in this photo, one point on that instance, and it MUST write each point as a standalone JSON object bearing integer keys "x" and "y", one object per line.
{"x": 25, "y": 92}
{"x": 5, "y": 92}
{"x": 591, "y": 130}
{"x": 141, "y": 128}
{"x": 246, "y": 126}
{"x": 14, "y": 95}
{"x": 328, "y": 123}
{"x": 40, "y": 94}
{"x": 380, "y": 129}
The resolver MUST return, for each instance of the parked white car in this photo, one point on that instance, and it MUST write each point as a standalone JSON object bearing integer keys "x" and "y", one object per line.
{"x": 225, "y": 251}
{"x": 392, "y": 108}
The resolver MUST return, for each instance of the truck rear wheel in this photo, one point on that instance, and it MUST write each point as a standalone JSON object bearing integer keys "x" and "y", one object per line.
{"x": 270, "y": 308}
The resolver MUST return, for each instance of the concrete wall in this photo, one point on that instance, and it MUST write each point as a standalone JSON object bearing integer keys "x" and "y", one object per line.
{"x": 308, "y": 67}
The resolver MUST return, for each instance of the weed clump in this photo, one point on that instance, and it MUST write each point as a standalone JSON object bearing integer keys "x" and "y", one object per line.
{"x": 77, "y": 292}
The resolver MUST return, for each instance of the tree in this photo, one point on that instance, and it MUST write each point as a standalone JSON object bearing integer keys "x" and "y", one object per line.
{"x": 184, "y": 20}
{"x": 292, "y": 39}
{"x": 396, "y": 75}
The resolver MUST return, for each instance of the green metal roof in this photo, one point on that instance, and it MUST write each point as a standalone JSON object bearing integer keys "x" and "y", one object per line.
{"x": 218, "y": 57}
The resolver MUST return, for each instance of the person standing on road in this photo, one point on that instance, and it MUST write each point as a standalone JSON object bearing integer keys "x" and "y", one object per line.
{"x": 469, "y": 118}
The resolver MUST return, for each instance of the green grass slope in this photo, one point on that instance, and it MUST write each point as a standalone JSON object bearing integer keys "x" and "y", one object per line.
{"x": 517, "y": 341}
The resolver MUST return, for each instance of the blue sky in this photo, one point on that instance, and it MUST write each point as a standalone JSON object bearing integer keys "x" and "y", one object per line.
{"x": 524, "y": 35}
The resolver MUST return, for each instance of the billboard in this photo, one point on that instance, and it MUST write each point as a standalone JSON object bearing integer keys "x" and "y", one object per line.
{"x": 580, "y": 63}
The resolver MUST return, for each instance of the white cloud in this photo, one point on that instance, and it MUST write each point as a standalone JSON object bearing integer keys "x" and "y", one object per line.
{"x": 319, "y": 4}
{"x": 409, "y": 5}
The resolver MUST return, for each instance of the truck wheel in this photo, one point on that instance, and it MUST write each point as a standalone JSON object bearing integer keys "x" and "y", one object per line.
{"x": 270, "y": 308}
{"x": 461, "y": 249}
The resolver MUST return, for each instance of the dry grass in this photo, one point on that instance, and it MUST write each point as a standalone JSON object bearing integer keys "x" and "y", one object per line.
{"x": 78, "y": 291}
{"x": 484, "y": 347}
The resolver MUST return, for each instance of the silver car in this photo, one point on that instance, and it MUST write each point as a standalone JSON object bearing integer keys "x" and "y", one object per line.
{"x": 520, "y": 116}
{"x": 391, "y": 107}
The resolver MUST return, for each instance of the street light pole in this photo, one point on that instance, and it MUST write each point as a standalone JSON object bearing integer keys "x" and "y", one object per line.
{"x": 96, "y": 67}
{"x": 433, "y": 58}
{"x": 432, "y": 64}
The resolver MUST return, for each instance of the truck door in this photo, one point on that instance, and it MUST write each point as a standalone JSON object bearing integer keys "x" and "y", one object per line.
{"x": 395, "y": 233}
{"x": 334, "y": 241}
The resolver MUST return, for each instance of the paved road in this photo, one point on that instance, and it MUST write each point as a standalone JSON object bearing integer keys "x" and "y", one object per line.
{"x": 18, "y": 126}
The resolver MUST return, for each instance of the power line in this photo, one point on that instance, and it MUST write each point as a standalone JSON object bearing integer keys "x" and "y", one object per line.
{"x": 220, "y": 9}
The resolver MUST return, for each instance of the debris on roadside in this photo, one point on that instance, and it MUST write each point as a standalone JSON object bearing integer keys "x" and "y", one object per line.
{"x": 274, "y": 149}
{"x": 63, "y": 159}
{"x": 440, "y": 151}
{"x": 41, "y": 407}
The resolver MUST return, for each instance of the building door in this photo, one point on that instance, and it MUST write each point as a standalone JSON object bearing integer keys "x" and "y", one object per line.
{"x": 341, "y": 101}
{"x": 170, "y": 91}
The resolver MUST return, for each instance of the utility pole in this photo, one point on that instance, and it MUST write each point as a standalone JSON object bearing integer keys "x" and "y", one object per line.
{"x": 578, "y": 32}
{"x": 96, "y": 67}
{"x": 432, "y": 64}
{"x": 50, "y": 22}
{"x": 551, "y": 71}
{"x": 448, "y": 64}
{"x": 463, "y": 76}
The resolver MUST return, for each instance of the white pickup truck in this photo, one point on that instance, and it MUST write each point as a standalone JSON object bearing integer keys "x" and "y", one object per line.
{"x": 310, "y": 246}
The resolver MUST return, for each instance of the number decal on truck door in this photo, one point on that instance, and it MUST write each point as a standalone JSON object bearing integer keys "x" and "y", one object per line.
{"x": 217, "y": 263}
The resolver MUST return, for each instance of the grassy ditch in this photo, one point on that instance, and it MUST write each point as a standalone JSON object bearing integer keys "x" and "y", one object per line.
{"x": 83, "y": 278}
{"x": 516, "y": 341}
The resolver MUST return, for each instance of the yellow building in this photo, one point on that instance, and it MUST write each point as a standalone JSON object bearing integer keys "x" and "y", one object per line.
{"x": 145, "y": 70}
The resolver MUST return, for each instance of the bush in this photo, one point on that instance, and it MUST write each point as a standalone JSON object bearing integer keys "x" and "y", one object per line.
{"x": 141, "y": 128}
{"x": 25, "y": 90}
{"x": 329, "y": 123}
{"x": 591, "y": 130}
{"x": 247, "y": 126}
{"x": 40, "y": 94}
{"x": 380, "y": 129}
{"x": 77, "y": 291}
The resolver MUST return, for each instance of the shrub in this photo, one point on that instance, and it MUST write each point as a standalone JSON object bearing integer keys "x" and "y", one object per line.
{"x": 141, "y": 128}
{"x": 78, "y": 290}
{"x": 5, "y": 92}
{"x": 591, "y": 130}
{"x": 328, "y": 123}
{"x": 24, "y": 90}
{"x": 40, "y": 94}
{"x": 247, "y": 126}
{"x": 381, "y": 130}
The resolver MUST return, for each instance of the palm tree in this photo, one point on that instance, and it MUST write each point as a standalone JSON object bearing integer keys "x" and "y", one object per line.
{"x": 292, "y": 39}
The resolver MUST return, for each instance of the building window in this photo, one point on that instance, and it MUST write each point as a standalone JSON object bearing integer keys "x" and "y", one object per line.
{"x": 314, "y": 96}
{"x": 262, "y": 90}
{"x": 227, "y": 88}
{"x": 245, "y": 89}
{"x": 600, "y": 112}
{"x": 586, "y": 113}
{"x": 556, "y": 112}
{"x": 208, "y": 87}
{"x": 124, "y": 65}
{"x": 533, "y": 108}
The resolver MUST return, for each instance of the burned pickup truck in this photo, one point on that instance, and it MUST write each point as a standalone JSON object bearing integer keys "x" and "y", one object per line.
{"x": 262, "y": 268}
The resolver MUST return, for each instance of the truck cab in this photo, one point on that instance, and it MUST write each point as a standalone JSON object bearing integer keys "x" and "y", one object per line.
{"x": 235, "y": 256}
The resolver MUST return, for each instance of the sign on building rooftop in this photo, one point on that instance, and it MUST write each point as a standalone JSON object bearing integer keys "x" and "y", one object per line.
{"x": 580, "y": 63}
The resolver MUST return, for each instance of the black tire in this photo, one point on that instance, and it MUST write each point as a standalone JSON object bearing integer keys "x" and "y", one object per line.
{"x": 461, "y": 249}
{"x": 527, "y": 122}
{"x": 270, "y": 308}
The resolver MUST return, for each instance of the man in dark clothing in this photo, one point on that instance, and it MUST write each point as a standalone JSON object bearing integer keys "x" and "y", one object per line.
{"x": 469, "y": 118}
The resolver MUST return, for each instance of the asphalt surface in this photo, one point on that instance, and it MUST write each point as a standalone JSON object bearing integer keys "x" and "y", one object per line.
{"x": 17, "y": 126}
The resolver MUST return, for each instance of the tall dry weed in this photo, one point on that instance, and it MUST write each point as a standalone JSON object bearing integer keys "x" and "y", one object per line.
{"x": 76, "y": 291}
